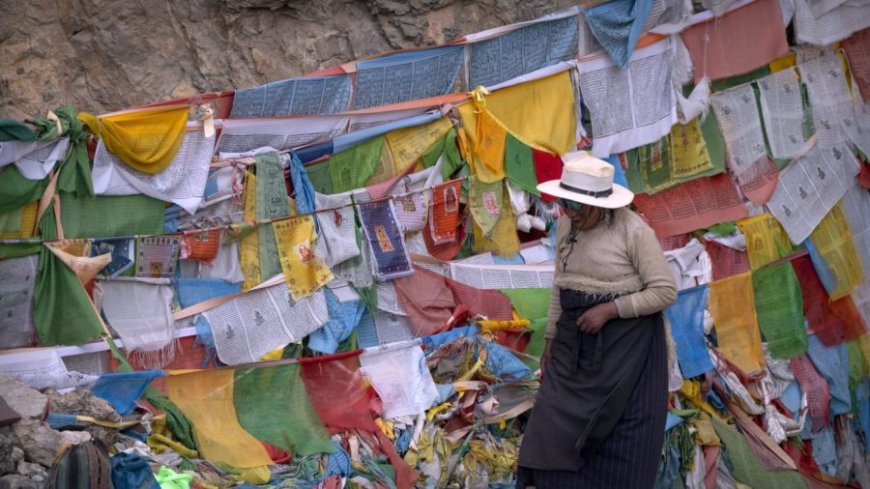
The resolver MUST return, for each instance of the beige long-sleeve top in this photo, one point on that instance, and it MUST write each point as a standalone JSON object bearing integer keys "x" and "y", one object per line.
{"x": 621, "y": 257}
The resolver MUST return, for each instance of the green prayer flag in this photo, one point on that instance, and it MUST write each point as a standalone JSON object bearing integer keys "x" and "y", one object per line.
{"x": 779, "y": 307}
{"x": 273, "y": 406}
{"x": 352, "y": 168}
{"x": 109, "y": 215}
{"x": 452, "y": 158}
{"x": 532, "y": 304}
{"x": 320, "y": 177}
{"x": 16, "y": 191}
{"x": 75, "y": 170}
{"x": 62, "y": 312}
{"x": 745, "y": 466}
{"x": 15, "y": 130}
{"x": 271, "y": 203}
{"x": 519, "y": 165}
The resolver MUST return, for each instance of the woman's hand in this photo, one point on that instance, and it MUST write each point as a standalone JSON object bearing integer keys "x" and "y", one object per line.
{"x": 596, "y": 317}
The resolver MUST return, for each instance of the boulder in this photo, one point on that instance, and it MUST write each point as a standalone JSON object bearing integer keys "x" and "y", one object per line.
{"x": 24, "y": 400}
{"x": 38, "y": 441}
{"x": 6, "y": 463}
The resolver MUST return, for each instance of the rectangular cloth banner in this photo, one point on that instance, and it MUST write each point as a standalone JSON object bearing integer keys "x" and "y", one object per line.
{"x": 304, "y": 271}
{"x": 294, "y": 96}
{"x": 732, "y": 305}
{"x": 692, "y": 205}
{"x": 740, "y": 41}
{"x": 687, "y": 327}
{"x": 386, "y": 240}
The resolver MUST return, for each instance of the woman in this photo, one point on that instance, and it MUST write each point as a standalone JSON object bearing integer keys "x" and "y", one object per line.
{"x": 600, "y": 415}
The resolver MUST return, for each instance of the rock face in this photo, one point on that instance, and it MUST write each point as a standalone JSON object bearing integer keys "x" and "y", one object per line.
{"x": 103, "y": 55}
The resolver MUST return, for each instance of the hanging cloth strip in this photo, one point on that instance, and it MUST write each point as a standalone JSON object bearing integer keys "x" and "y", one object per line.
{"x": 489, "y": 140}
{"x": 304, "y": 271}
{"x": 147, "y": 140}
{"x": 732, "y": 305}
{"x": 686, "y": 318}
{"x": 779, "y": 306}
{"x": 385, "y": 239}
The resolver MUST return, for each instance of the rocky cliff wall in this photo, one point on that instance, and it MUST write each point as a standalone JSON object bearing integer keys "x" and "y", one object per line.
{"x": 105, "y": 55}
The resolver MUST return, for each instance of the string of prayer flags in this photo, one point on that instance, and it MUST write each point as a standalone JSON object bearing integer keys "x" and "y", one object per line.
{"x": 832, "y": 240}
{"x": 386, "y": 241}
{"x": 206, "y": 398}
{"x": 486, "y": 200}
{"x": 272, "y": 202}
{"x": 738, "y": 118}
{"x": 834, "y": 322}
{"x": 756, "y": 31}
{"x": 147, "y": 140}
{"x": 732, "y": 305}
{"x": 766, "y": 240}
{"x": 304, "y": 271}
{"x": 686, "y": 318}
{"x": 779, "y": 307}
{"x": 157, "y": 256}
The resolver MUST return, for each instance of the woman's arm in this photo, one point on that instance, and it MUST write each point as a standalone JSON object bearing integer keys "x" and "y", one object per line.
{"x": 659, "y": 290}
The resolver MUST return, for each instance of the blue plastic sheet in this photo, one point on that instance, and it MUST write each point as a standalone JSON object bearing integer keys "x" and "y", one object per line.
{"x": 132, "y": 472}
{"x": 503, "y": 363}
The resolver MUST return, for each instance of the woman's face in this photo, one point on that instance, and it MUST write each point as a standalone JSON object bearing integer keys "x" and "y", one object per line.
{"x": 582, "y": 216}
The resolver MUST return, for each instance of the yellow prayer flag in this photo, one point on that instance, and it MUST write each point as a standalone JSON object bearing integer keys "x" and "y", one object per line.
{"x": 206, "y": 398}
{"x": 409, "y": 144}
{"x": 503, "y": 240}
{"x": 833, "y": 240}
{"x": 249, "y": 246}
{"x": 732, "y": 304}
{"x": 540, "y": 113}
{"x": 19, "y": 223}
{"x": 304, "y": 272}
{"x": 147, "y": 139}
{"x": 689, "y": 155}
{"x": 766, "y": 240}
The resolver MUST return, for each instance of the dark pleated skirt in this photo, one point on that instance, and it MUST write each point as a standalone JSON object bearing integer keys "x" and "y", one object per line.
{"x": 629, "y": 456}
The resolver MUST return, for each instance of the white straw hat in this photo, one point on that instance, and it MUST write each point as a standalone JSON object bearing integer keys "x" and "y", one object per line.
{"x": 588, "y": 180}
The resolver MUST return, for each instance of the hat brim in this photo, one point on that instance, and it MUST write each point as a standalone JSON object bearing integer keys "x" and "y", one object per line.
{"x": 620, "y": 197}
